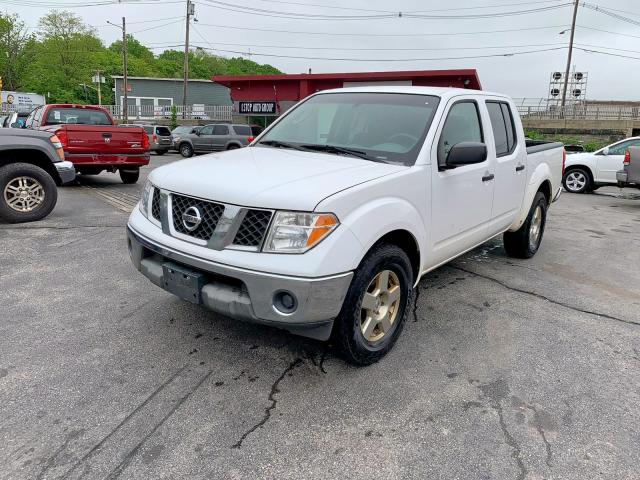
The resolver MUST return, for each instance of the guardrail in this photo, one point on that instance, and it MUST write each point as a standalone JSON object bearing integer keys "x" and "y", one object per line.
{"x": 222, "y": 113}
{"x": 580, "y": 112}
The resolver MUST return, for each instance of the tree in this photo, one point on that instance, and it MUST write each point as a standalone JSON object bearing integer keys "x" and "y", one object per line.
{"x": 18, "y": 46}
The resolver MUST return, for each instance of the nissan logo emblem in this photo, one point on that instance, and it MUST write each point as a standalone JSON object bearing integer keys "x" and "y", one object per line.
{"x": 191, "y": 218}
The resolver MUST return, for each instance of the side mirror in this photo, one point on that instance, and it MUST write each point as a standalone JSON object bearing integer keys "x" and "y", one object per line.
{"x": 466, "y": 153}
{"x": 605, "y": 151}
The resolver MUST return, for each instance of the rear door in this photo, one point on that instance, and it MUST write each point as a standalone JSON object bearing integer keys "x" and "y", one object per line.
{"x": 608, "y": 165}
{"x": 202, "y": 141}
{"x": 510, "y": 166}
{"x": 220, "y": 137}
{"x": 461, "y": 197}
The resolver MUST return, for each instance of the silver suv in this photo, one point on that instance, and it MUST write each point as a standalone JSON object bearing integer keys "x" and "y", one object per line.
{"x": 160, "y": 139}
{"x": 215, "y": 138}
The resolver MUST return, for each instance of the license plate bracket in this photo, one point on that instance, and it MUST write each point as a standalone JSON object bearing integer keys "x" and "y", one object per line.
{"x": 183, "y": 282}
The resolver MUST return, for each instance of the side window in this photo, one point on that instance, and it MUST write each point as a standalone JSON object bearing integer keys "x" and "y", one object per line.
{"x": 503, "y": 127}
{"x": 208, "y": 130}
{"x": 511, "y": 126}
{"x": 31, "y": 118}
{"x": 499, "y": 128}
{"x": 462, "y": 125}
{"x": 220, "y": 130}
{"x": 621, "y": 148}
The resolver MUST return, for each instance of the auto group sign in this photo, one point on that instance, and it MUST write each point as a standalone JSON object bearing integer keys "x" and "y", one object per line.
{"x": 257, "y": 108}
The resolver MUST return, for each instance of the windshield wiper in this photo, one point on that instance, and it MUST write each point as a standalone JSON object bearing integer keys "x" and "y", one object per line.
{"x": 348, "y": 151}
{"x": 279, "y": 144}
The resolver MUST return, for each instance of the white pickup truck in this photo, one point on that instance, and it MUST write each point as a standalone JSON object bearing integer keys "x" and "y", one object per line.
{"x": 324, "y": 225}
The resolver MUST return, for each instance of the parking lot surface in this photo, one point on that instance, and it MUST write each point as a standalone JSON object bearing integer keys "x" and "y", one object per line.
{"x": 523, "y": 369}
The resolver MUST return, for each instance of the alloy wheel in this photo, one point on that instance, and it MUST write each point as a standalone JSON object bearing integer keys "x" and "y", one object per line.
{"x": 380, "y": 306}
{"x": 24, "y": 194}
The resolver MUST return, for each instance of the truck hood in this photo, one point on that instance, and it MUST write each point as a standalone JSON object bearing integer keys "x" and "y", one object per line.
{"x": 274, "y": 178}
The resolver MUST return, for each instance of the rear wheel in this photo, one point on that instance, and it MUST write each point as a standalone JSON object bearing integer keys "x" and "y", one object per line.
{"x": 161, "y": 152}
{"x": 28, "y": 193}
{"x": 129, "y": 175}
{"x": 525, "y": 242}
{"x": 186, "y": 150}
{"x": 376, "y": 305}
{"x": 233, "y": 146}
{"x": 577, "y": 180}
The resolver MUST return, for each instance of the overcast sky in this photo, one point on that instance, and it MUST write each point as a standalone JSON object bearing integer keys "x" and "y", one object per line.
{"x": 519, "y": 75}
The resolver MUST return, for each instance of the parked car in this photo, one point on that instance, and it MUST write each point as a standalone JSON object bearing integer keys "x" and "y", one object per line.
{"x": 585, "y": 172}
{"x": 571, "y": 149}
{"x": 325, "y": 224}
{"x": 256, "y": 130}
{"x": 180, "y": 131}
{"x": 214, "y": 138}
{"x": 160, "y": 140}
{"x": 92, "y": 141}
{"x": 629, "y": 176}
{"x": 31, "y": 164}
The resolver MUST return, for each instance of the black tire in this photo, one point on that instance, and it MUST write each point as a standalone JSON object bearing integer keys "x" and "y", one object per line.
{"x": 577, "y": 180}
{"x": 9, "y": 174}
{"x": 520, "y": 244}
{"x": 233, "y": 146}
{"x": 161, "y": 152}
{"x": 347, "y": 333}
{"x": 129, "y": 175}
{"x": 186, "y": 150}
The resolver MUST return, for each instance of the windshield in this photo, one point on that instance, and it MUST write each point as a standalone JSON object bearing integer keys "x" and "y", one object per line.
{"x": 384, "y": 127}
{"x": 182, "y": 129}
{"x": 79, "y": 116}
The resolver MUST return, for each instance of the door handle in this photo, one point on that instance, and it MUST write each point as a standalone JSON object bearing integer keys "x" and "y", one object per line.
{"x": 106, "y": 135}
{"x": 519, "y": 168}
{"x": 489, "y": 177}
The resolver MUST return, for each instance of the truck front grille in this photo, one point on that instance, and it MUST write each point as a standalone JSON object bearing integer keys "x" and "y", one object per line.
{"x": 155, "y": 204}
{"x": 253, "y": 228}
{"x": 210, "y": 213}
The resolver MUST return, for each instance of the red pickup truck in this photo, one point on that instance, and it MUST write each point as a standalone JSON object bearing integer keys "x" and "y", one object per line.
{"x": 92, "y": 141}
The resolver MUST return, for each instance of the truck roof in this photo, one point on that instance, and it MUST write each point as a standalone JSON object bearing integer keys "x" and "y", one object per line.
{"x": 416, "y": 90}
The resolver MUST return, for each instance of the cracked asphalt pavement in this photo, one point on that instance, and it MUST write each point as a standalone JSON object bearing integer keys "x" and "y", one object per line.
{"x": 507, "y": 369}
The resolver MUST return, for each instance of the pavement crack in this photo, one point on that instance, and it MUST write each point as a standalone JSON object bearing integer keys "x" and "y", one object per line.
{"x": 323, "y": 357}
{"x": 511, "y": 441}
{"x": 52, "y": 459}
{"x": 116, "y": 472}
{"x": 544, "y": 297}
{"x": 267, "y": 412}
{"x": 538, "y": 425}
{"x": 415, "y": 303}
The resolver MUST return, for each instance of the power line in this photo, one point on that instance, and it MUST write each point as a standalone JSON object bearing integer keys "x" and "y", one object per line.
{"x": 306, "y": 16}
{"x": 608, "y": 31}
{"x": 599, "y": 9}
{"x": 382, "y": 35}
{"x": 157, "y": 26}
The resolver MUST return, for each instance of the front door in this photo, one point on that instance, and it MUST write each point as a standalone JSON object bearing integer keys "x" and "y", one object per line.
{"x": 202, "y": 141}
{"x": 607, "y": 165}
{"x": 461, "y": 197}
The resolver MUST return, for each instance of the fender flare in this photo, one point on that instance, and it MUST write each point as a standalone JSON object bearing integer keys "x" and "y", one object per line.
{"x": 541, "y": 174}
{"x": 401, "y": 215}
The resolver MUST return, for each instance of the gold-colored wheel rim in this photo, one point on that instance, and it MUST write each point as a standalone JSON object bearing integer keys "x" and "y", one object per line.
{"x": 380, "y": 306}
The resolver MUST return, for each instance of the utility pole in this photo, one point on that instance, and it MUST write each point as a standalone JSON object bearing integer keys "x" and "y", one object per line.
{"x": 98, "y": 79}
{"x": 190, "y": 12}
{"x": 566, "y": 74}
{"x": 125, "y": 103}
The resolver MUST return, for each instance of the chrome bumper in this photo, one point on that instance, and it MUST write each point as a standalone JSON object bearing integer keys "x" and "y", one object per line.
{"x": 66, "y": 171}
{"x": 247, "y": 294}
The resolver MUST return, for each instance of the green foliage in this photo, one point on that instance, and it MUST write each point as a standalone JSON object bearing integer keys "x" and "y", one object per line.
{"x": 174, "y": 117}
{"x": 65, "y": 53}
{"x": 589, "y": 146}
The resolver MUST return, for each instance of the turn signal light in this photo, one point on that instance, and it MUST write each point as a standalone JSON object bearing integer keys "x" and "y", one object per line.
{"x": 627, "y": 158}
{"x": 58, "y": 145}
{"x": 250, "y": 139}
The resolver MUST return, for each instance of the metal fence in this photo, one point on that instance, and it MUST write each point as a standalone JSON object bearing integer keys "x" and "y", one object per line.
{"x": 544, "y": 110}
{"x": 221, "y": 113}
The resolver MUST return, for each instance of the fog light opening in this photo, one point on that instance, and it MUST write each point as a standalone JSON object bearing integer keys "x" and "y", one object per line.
{"x": 285, "y": 302}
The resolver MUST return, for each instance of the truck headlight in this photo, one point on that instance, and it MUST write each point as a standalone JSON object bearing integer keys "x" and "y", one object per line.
{"x": 296, "y": 232}
{"x": 144, "y": 201}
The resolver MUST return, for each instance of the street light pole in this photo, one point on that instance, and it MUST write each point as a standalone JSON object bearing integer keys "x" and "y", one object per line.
{"x": 566, "y": 74}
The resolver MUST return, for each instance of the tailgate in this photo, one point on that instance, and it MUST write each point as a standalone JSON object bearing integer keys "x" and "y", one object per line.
{"x": 100, "y": 139}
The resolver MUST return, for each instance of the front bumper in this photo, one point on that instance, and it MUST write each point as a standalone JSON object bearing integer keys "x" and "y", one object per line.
{"x": 248, "y": 294}
{"x": 66, "y": 171}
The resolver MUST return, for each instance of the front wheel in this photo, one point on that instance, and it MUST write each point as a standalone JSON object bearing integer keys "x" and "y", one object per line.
{"x": 129, "y": 175}
{"x": 375, "y": 307}
{"x": 28, "y": 193}
{"x": 161, "y": 152}
{"x": 577, "y": 180}
{"x": 525, "y": 242}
